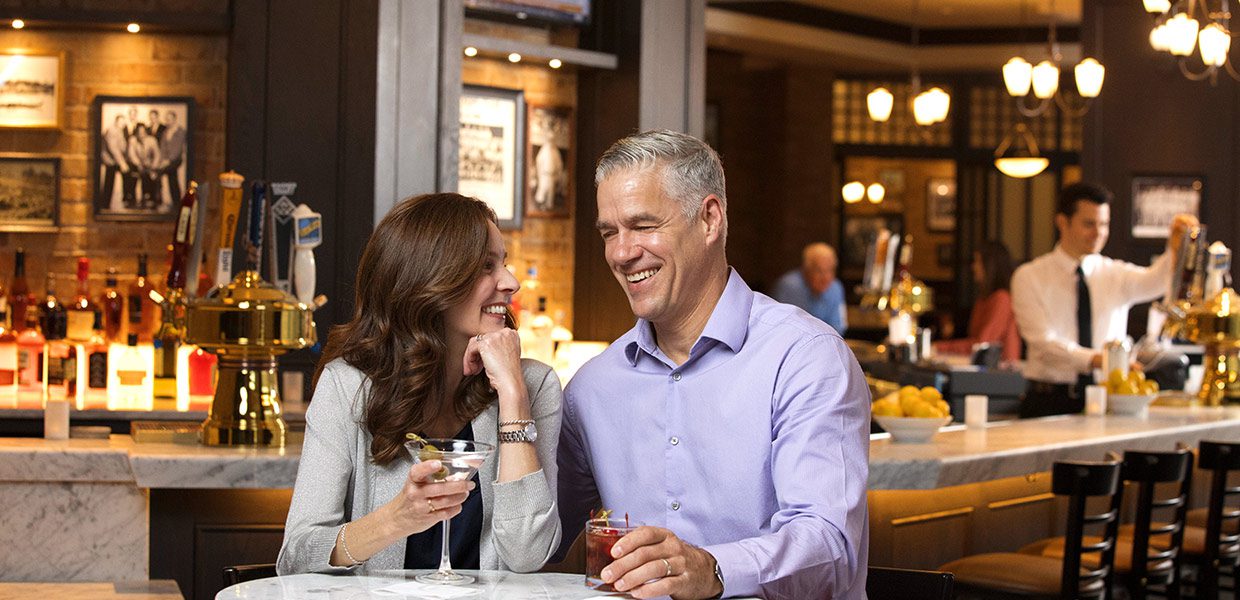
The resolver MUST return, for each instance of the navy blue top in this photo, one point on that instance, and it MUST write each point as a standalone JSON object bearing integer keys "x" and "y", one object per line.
{"x": 465, "y": 536}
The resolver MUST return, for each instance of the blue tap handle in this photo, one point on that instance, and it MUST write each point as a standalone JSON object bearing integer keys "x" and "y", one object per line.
{"x": 258, "y": 213}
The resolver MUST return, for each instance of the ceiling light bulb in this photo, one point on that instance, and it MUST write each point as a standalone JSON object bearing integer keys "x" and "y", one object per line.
{"x": 1089, "y": 76}
{"x": 555, "y": 63}
{"x": 1022, "y": 168}
{"x": 1181, "y": 34}
{"x": 879, "y": 102}
{"x": 1045, "y": 79}
{"x": 1017, "y": 155}
{"x": 853, "y": 191}
{"x": 18, "y": 23}
{"x": 471, "y": 51}
{"x": 514, "y": 58}
{"x": 1214, "y": 42}
{"x": 133, "y": 28}
{"x": 1017, "y": 76}
{"x": 1157, "y": 7}
{"x": 940, "y": 104}
{"x": 875, "y": 193}
{"x": 1160, "y": 38}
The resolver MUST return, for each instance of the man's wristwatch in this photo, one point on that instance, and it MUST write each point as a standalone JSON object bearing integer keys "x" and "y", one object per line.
{"x": 527, "y": 434}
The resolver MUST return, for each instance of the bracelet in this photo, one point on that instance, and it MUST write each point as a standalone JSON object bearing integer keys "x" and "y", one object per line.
{"x": 517, "y": 422}
{"x": 344, "y": 545}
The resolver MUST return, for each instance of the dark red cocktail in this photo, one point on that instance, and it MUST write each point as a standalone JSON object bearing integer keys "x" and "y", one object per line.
{"x": 601, "y": 535}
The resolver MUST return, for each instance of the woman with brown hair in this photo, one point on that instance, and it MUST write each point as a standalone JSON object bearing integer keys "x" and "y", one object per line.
{"x": 992, "y": 319}
{"x": 430, "y": 350}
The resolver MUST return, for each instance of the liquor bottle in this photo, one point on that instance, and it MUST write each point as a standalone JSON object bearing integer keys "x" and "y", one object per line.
{"x": 93, "y": 369}
{"x": 168, "y": 340}
{"x": 143, "y": 312}
{"x": 535, "y": 334}
{"x": 52, "y": 318}
{"x": 112, "y": 308}
{"x": 195, "y": 378}
{"x": 59, "y": 365}
{"x": 20, "y": 297}
{"x": 30, "y": 362}
{"x": 8, "y": 367}
{"x": 80, "y": 313}
{"x": 130, "y": 376}
{"x": 183, "y": 239}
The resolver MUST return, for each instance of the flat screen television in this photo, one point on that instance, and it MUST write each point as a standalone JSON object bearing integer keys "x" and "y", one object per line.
{"x": 575, "y": 12}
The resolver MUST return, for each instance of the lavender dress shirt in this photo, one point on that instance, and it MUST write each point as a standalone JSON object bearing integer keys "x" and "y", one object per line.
{"x": 756, "y": 448}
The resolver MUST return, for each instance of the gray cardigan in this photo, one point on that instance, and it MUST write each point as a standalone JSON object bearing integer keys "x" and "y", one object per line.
{"x": 337, "y": 482}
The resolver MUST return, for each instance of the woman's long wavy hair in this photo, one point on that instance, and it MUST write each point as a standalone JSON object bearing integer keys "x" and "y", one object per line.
{"x": 422, "y": 259}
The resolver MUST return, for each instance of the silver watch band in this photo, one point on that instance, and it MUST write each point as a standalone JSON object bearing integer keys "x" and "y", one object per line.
{"x": 511, "y": 437}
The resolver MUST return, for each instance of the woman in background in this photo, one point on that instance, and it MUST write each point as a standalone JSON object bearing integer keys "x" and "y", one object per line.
{"x": 992, "y": 320}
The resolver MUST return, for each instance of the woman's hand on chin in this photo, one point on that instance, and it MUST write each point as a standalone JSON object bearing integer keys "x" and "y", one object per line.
{"x": 499, "y": 354}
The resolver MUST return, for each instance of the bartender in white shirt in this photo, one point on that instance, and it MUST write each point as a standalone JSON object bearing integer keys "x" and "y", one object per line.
{"x": 1071, "y": 301}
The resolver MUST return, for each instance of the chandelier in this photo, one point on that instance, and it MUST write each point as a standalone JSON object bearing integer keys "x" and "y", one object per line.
{"x": 929, "y": 106}
{"x": 1189, "y": 25}
{"x": 1020, "y": 77}
{"x": 1017, "y": 156}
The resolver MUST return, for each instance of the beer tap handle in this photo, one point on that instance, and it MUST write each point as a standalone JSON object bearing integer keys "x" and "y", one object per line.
{"x": 258, "y": 213}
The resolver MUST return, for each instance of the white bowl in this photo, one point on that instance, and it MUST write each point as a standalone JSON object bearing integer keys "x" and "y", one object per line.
{"x": 1129, "y": 404}
{"x": 911, "y": 430}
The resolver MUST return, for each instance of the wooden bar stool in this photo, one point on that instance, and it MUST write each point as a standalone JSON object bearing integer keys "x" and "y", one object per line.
{"x": 1147, "y": 555}
{"x": 1006, "y": 574}
{"x": 1216, "y": 547}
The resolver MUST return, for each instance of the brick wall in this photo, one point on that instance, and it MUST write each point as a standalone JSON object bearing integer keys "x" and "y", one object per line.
{"x": 546, "y": 242}
{"x": 120, "y": 64}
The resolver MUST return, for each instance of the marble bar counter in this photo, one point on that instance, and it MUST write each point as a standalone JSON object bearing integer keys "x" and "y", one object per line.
{"x": 958, "y": 455}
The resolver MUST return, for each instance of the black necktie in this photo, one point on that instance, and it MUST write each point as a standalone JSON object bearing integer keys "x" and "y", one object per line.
{"x": 1084, "y": 316}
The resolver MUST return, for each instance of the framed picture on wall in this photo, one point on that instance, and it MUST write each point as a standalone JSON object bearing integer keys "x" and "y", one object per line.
{"x": 941, "y": 204}
{"x": 549, "y": 161}
{"x": 143, "y": 156}
{"x": 32, "y": 95}
{"x": 492, "y": 136}
{"x": 1156, "y": 200}
{"x": 29, "y": 192}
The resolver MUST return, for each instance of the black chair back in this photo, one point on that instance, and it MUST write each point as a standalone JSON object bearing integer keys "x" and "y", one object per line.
{"x": 242, "y": 573}
{"x": 1146, "y": 470}
{"x": 887, "y": 582}
{"x": 1221, "y": 549}
{"x": 1079, "y": 481}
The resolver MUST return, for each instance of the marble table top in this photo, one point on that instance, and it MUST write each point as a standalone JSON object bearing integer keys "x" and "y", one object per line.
{"x": 491, "y": 585}
{"x": 959, "y": 455}
{"x": 159, "y": 589}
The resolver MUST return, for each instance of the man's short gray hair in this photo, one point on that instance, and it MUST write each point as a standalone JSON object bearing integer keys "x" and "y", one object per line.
{"x": 691, "y": 168}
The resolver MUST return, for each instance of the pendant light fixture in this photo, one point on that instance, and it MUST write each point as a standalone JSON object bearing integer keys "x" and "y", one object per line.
{"x": 1189, "y": 25}
{"x": 1017, "y": 156}
{"x": 929, "y": 106}
{"x": 1020, "y": 77}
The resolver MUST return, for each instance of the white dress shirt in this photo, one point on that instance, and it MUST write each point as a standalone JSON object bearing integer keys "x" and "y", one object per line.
{"x": 1044, "y": 301}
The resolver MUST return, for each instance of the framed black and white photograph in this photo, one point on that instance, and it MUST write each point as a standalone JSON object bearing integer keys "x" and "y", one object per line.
{"x": 941, "y": 204}
{"x": 32, "y": 93}
{"x": 29, "y": 192}
{"x": 142, "y": 157}
{"x": 492, "y": 143}
{"x": 1156, "y": 200}
{"x": 549, "y": 161}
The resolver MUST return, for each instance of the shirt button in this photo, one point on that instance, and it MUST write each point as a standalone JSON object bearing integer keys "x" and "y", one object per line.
{"x": 675, "y": 440}
{"x": 676, "y": 376}
{"x": 675, "y": 506}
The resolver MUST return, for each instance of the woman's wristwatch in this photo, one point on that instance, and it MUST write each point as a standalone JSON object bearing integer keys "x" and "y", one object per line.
{"x": 527, "y": 434}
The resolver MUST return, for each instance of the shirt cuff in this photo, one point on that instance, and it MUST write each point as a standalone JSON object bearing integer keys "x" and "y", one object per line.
{"x": 521, "y": 498}
{"x": 739, "y": 577}
{"x": 1084, "y": 359}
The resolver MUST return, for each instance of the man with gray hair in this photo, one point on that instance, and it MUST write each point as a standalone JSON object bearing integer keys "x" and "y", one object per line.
{"x": 814, "y": 289}
{"x": 734, "y": 428}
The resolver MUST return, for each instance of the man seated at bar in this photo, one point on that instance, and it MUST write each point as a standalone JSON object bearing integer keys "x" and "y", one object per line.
{"x": 814, "y": 287}
{"x": 735, "y": 428}
{"x": 1072, "y": 300}
{"x": 430, "y": 350}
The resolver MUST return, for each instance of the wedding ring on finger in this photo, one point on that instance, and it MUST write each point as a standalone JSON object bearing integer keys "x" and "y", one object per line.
{"x": 433, "y": 509}
{"x": 669, "y": 567}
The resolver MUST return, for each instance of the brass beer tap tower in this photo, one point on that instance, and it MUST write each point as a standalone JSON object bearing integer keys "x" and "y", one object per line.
{"x": 246, "y": 323}
{"x": 1203, "y": 308}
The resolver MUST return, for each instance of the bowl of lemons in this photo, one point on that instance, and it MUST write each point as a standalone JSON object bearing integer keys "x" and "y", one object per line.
{"x": 1130, "y": 394}
{"x": 911, "y": 415}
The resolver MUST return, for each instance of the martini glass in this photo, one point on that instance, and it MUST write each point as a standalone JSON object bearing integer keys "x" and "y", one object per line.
{"x": 460, "y": 459}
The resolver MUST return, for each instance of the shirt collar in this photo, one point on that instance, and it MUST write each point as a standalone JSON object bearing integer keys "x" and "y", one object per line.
{"x": 728, "y": 323}
{"x": 1065, "y": 260}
